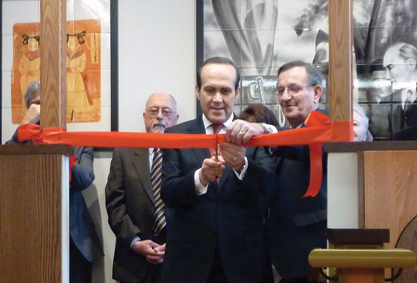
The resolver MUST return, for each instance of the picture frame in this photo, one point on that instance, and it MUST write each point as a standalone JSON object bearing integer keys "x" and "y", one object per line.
{"x": 107, "y": 13}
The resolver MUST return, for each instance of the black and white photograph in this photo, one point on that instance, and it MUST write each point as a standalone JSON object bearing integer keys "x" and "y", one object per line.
{"x": 261, "y": 35}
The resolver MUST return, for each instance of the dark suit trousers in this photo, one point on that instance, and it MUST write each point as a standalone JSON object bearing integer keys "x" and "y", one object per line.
{"x": 80, "y": 267}
{"x": 217, "y": 272}
{"x": 153, "y": 275}
{"x": 294, "y": 280}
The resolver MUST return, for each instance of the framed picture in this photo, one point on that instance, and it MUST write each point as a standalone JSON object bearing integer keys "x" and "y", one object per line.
{"x": 91, "y": 77}
{"x": 261, "y": 35}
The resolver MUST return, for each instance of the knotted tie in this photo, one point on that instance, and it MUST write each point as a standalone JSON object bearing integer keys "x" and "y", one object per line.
{"x": 156, "y": 177}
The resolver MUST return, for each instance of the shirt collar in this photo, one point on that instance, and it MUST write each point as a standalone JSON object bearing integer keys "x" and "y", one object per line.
{"x": 207, "y": 123}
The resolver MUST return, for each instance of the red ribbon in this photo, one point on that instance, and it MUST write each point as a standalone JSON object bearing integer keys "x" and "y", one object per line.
{"x": 318, "y": 131}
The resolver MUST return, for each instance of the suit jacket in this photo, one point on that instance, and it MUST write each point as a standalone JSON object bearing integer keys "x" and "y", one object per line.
{"x": 296, "y": 225}
{"x": 130, "y": 207}
{"x": 82, "y": 228}
{"x": 407, "y": 134}
{"x": 398, "y": 117}
{"x": 229, "y": 214}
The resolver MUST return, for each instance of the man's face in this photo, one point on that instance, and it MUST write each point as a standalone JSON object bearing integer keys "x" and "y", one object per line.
{"x": 380, "y": 85}
{"x": 217, "y": 94}
{"x": 397, "y": 69}
{"x": 296, "y": 97}
{"x": 160, "y": 113}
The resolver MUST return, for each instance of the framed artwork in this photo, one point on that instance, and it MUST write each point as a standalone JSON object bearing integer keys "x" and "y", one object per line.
{"x": 91, "y": 77}
{"x": 261, "y": 35}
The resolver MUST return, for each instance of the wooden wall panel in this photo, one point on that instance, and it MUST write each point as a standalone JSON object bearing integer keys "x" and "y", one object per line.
{"x": 30, "y": 218}
{"x": 340, "y": 60}
{"x": 390, "y": 197}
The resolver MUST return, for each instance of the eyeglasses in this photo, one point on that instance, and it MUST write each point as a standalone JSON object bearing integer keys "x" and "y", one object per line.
{"x": 292, "y": 89}
{"x": 154, "y": 111}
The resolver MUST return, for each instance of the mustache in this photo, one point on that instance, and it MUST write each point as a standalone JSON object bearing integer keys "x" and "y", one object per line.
{"x": 159, "y": 124}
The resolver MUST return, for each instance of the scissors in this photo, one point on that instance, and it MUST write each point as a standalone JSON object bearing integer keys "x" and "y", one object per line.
{"x": 216, "y": 155}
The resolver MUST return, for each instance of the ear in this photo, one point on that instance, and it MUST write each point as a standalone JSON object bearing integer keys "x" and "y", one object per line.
{"x": 197, "y": 90}
{"x": 144, "y": 115}
{"x": 237, "y": 94}
{"x": 318, "y": 90}
{"x": 411, "y": 63}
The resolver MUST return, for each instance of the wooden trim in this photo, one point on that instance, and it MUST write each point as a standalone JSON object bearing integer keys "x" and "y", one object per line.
{"x": 340, "y": 60}
{"x": 31, "y": 149}
{"x": 369, "y": 146}
{"x": 53, "y": 63}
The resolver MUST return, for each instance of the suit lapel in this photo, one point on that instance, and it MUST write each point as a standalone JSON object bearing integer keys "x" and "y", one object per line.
{"x": 141, "y": 163}
{"x": 198, "y": 128}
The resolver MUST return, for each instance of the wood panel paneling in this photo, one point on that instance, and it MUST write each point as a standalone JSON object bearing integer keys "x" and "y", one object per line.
{"x": 340, "y": 60}
{"x": 53, "y": 63}
{"x": 30, "y": 218}
{"x": 390, "y": 196}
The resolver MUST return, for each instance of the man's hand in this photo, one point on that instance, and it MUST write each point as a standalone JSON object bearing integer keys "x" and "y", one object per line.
{"x": 240, "y": 131}
{"x": 153, "y": 252}
{"x": 234, "y": 155}
{"x": 33, "y": 114}
{"x": 211, "y": 169}
{"x": 159, "y": 258}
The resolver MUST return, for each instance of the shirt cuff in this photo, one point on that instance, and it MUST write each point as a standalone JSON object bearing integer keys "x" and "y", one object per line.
{"x": 135, "y": 239}
{"x": 242, "y": 173}
{"x": 200, "y": 189}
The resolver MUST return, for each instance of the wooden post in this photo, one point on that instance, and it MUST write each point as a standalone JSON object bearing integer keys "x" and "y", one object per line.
{"x": 53, "y": 63}
{"x": 340, "y": 63}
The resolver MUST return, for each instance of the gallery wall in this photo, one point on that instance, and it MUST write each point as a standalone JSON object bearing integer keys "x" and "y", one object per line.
{"x": 156, "y": 53}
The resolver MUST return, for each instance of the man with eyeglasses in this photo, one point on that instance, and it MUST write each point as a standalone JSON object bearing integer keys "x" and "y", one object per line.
{"x": 132, "y": 204}
{"x": 296, "y": 225}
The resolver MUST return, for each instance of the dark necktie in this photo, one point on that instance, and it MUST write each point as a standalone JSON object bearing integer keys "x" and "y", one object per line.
{"x": 156, "y": 177}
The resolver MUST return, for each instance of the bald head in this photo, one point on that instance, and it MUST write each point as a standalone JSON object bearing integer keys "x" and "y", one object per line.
{"x": 160, "y": 112}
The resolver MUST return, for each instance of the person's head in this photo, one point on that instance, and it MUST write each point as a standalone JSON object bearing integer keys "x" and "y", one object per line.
{"x": 160, "y": 113}
{"x": 32, "y": 41}
{"x": 33, "y": 93}
{"x": 218, "y": 88}
{"x": 400, "y": 60}
{"x": 258, "y": 113}
{"x": 360, "y": 124}
{"x": 299, "y": 88}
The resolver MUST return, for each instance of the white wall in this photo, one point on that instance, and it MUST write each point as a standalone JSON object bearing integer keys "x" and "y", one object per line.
{"x": 157, "y": 52}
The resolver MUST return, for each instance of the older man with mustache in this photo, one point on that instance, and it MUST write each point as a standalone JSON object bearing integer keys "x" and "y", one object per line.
{"x": 132, "y": 204}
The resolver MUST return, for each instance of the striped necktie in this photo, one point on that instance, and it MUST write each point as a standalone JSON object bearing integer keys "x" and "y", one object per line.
{"x": 156, "y": 177}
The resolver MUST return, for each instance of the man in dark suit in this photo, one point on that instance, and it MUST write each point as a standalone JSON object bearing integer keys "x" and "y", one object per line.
{"x": 130, "y": 201}
{"x": 296, "y": 225}
{"x": 217, "y": 232}
{"x": 85, "y": 245}
{"x": 400, "y": 60}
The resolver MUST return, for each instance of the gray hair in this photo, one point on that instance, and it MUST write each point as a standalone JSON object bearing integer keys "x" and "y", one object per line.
{"x": 33, "y": 87}
{"x": 405, "y": 50}
{"x": 314, "y": 76}
{"x": 358, "y": 109}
